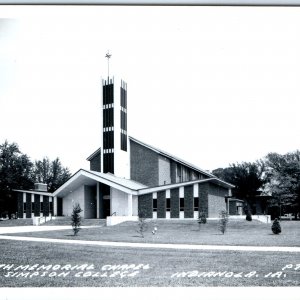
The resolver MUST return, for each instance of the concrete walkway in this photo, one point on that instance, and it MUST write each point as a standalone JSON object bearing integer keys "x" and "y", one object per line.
{"x": 155, "y": 246}
{"x": 21, "y": 229}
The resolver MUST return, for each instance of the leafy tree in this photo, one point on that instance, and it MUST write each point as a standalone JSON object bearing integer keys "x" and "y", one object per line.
{"x": 247, "y": 178}
{"x": 283, "y": 174}
{"x": 16, "y": 172}
{"x": 51, "y": 172}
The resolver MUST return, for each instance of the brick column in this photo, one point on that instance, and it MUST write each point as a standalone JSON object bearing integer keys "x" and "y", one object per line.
{"x": 20, "y": 204}
{"x": 28, "y": 205}
{"x": 46, "y": 206}
{"x": 145, "y": 206}
{"x": 189, "y": 201}
{"x": 161, "y": 204}
{"x": 37, "y": 205}
{"x": 203, "y": 198}
{"x": 174, "y": 203}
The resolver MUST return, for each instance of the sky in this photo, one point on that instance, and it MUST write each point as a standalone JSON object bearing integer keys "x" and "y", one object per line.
{"x": 211, "y": 85}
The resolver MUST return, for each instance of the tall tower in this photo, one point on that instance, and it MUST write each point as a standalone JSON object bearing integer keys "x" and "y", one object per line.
{"x": 115, "y": 145}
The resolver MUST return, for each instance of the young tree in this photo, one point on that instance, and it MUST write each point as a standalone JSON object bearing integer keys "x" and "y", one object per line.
{"x": 223, "y": 221}
{"x": 76, "y": 218}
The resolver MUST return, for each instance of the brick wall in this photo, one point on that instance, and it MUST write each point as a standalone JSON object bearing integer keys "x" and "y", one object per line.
{"x": 189, "y": 201}
{"x": 203, "y": 198}
{"x": 216, "y": 200}
{"x": 46, "y": 206}
{"x": 20, "y": 204}
{"x": 164, "y": 170}
{"x": 37, "y": 205}
{"x": 28, "y": 205}
{"x": 95, "y": 163}
{"x": 174, "y": 203}
{"x": 161, "y": 204}
{"x": 173, "y": 172}
{"x": 143, "y": 164}
{"x": 232, "y": 208}
{"x": 145, "y": 206}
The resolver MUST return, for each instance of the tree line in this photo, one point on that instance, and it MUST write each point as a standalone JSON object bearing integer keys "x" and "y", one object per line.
{"x": 18, "y": 171}
{"x": 273, "y": 180}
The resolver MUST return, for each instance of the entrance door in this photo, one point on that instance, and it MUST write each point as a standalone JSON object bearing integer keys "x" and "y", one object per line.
{"x": 106, "y": 206}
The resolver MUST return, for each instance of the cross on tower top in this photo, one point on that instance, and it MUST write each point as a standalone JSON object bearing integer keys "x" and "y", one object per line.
{"x": 108, "y": 56}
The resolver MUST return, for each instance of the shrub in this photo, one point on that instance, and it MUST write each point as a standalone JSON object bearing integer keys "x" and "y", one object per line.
{"x": 249, "y": 216}
{"x": 276, "y": 228}
{"x": 202, "y": 218}
{"x": 76, "y": 218}
{"x": 223, "y": 221}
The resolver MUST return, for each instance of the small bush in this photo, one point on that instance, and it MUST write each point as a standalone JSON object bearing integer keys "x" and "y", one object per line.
{"x": 249, "y": 216}
{"x": 223, "y": 221}
{"x": 201, "y": 219}
{"x": 276, "y": 228}
{"x": 76, "y": 218}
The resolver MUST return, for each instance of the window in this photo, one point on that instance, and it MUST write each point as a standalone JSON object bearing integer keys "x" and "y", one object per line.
{"x": 24, "y": 207}
{"x": 154, "y": 204}
{"x": 32, "y": 206}
{"x": 168, "y": 208}
{"x": 51, "y": 207}
{"x": 196, "y": 204}
{"x": 42, "y": 206}
{"x": 181, "y": 204}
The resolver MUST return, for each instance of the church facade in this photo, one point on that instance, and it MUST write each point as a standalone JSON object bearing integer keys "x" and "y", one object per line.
{"x": 128, "y": 178}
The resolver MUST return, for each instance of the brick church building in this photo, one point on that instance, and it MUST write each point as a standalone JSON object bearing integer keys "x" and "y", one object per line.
{"x": 129, "y": 178}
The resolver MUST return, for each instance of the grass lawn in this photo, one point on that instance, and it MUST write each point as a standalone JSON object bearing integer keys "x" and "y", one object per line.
{"x": 155, "y": 267}
{"x": 239, "y": 232}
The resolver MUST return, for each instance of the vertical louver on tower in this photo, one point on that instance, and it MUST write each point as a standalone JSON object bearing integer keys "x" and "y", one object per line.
{"x": 123, "y": 115}
{"x": 108, "y": 126}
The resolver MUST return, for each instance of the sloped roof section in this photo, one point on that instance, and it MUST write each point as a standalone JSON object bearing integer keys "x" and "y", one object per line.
{"x": 131, "y": 184}
{"x": 170, "y": 156}
{"x": 84, "y": 177}
{"x": 94, "y": 154}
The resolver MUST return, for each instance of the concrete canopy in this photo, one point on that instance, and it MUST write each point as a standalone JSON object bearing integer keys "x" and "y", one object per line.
{"x": 84, "y": 177}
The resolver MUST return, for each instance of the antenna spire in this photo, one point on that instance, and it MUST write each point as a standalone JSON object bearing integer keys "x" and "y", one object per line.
{"x": 108, "y": 56}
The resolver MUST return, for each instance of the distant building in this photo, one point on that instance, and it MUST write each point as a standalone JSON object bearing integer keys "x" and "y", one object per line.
{"x": 129, "y": 178}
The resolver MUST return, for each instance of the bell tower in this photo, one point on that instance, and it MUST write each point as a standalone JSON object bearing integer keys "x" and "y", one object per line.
{"x": 115, "y": 145}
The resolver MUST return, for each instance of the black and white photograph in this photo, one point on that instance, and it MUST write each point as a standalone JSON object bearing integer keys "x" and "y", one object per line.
{"x": 146, "y": 147}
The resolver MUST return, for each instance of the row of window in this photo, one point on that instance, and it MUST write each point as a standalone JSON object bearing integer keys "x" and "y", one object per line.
{"x": 41, "y": 207}
{"x": 181, "y": 204}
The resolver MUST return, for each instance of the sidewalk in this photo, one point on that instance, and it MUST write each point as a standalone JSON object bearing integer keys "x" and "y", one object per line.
{"x": 154, "y": 246}
{"x": 32, "y": 228}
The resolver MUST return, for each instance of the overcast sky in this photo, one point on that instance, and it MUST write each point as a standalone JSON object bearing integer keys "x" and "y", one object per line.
{"x": 212, "y": 85}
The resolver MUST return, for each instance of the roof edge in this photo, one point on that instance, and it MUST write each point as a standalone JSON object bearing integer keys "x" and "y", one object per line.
{"x": 94, "y": 154}
{"x": 168, "y": 155}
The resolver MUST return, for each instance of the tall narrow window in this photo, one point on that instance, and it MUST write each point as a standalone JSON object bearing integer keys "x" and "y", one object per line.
{"x": 154, "y": 204}
{"x": 168, "y": 206}
{"x": 196, "y": 204}
{"x": 181, "y": 204}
